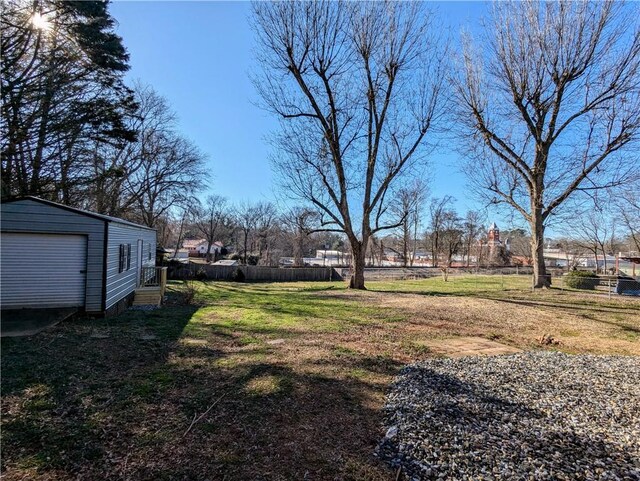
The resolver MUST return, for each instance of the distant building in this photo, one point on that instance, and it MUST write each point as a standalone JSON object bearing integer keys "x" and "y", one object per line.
{"x": 493, "y": 251}
{"x": 56, "y": 256}
{"x": 226, "y": 262}
{"x": 493, "y": 235}
{"x": 198, "y": 247}
{"x": 323, "y": 258}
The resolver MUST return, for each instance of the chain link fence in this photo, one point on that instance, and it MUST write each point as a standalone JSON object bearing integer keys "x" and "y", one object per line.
{"x": 452, "y": 280}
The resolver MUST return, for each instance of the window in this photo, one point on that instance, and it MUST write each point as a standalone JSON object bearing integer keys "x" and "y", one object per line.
{"x": 149, "y": 251}
{"x": 125, "y": 258}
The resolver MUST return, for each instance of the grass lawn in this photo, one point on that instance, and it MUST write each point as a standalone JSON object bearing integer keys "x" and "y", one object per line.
{"x": 261, "y": 381}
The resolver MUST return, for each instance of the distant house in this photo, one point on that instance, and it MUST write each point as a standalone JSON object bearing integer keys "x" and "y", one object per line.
{"x": 53, "y": 255}
{"x": 216, "y": 247}
{"x": 191, "y": 245}
{"x": 198, "y": 247}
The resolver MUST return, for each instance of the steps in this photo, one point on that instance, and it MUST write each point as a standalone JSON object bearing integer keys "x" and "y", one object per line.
{"x": 148, "y": 296}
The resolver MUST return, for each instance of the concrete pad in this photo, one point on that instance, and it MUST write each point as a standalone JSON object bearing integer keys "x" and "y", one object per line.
{"x": 27, "y": 322}
{"x": 468, "y": 346}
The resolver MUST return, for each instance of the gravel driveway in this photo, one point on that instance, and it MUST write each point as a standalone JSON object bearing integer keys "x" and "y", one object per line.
{"x": 536, "y": 415}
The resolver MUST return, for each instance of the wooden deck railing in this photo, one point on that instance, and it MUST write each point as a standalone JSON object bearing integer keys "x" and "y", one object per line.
{"x": 154, "y": 277}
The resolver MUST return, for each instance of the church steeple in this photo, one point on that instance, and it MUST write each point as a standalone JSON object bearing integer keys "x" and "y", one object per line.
{"x": 494, "y": 233}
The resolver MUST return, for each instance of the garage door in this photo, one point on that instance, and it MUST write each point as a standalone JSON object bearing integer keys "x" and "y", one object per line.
{"x": 42, "y": 270}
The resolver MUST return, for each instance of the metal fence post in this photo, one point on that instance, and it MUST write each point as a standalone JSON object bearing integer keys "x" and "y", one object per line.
{"x": 609, "y": 287}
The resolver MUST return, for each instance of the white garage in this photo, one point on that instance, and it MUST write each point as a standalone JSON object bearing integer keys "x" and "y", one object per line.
{"x": 42, "y": 270}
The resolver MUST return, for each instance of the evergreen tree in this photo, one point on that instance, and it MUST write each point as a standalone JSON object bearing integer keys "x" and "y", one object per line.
{"x": 62, "y": 95}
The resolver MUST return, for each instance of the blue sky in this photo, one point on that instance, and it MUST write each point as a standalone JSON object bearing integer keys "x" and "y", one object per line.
{"x": 199, "y": 56}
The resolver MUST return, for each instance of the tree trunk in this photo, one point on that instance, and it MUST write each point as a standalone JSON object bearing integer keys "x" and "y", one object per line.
{"x": 405, "y": 243}
{"x": 604, "y": 260}
{"x": 207, "y": 257}
{"x": 246, "y": 236}
{"x": 298, "y": 251}
{"x": 540, "y": 277}
{"x": 357, "y": 277}
{"x": 175, "y": 253}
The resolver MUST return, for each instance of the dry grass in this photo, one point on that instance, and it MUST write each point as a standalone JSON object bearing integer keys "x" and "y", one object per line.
{"x": 303, "y": 369}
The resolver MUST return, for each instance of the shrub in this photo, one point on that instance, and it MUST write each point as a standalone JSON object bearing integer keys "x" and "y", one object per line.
{"x": 237, "y": 275}
{"x": 188, "y": 293}
{"x": 582, "y": 280}
{"x": 252, "y": 260}
{"x": 201, "y": 275}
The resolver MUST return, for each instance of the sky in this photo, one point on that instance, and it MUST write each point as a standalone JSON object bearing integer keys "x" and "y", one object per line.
{"x": 199, "y": 55}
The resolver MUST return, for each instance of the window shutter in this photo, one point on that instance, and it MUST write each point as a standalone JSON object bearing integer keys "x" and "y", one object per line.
{"x": 121, "y": 259}
{"x": 128, "y": 256}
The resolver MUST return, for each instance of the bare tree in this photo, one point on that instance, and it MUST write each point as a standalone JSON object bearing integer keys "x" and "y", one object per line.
{"x": 357, "y": 86}
{"x": 209, "y": 218}
{"x": 181, "y": 231}
{"x": 595, "y": 234}
{"x": 472, "y": 229}
{"x": 266, "y": 216}
{"x": 574, "y": 250}
{"x": 115, "y": 189}
{"x": 451, "y": 236}
{"x": 408, "y": 205}
{"x": 549, "y": 111}
{"x": 255, "y": 221}
{"x": 439, "y": 211}
{"x": 300, "y": 222}
{"x": 246, "y": 224}
{"x": 451, "y": 240}
{"x": 163, "y": 169}
{"x": 626, "y": 200}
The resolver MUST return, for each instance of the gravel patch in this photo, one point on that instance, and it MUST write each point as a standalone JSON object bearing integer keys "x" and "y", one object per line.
{"x": 536, "y": 415}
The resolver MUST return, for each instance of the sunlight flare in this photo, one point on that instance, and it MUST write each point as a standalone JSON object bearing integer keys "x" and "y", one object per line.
{"x": 41, "y": 22}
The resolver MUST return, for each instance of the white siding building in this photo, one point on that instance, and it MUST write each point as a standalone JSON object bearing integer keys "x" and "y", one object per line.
{"x": 53, "y": 255}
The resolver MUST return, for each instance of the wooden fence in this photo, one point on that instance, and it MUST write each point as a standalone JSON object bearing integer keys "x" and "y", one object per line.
{"x": 253, "y": 273}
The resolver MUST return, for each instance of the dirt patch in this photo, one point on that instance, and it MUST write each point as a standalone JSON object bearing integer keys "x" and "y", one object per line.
{"x": 578, "y": 323}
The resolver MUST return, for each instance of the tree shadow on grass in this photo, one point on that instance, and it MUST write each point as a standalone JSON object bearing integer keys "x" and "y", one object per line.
{"x": 58, "y": 385}
{"x": 275, "y": 422}
{"x": 563, "y": 304}
{"x": 120, "y": 407}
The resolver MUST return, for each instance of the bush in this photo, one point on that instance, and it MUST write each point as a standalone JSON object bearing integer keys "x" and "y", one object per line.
{"x": 188, "y": 293}
{"x": 252, "y": 260}
{"x": 238, "y": 275}
{"x": 201, "y": 275}
{"x": 582, "y": 280}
